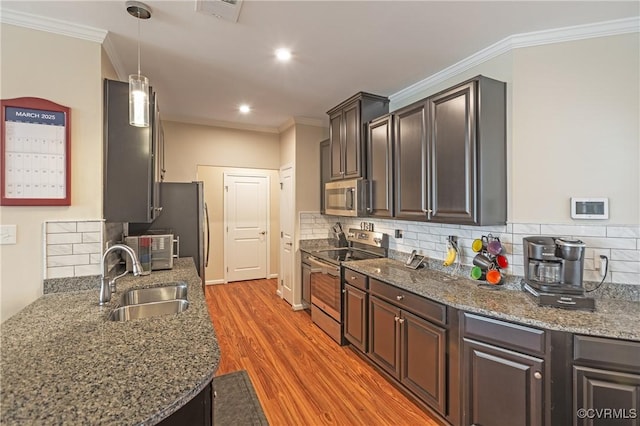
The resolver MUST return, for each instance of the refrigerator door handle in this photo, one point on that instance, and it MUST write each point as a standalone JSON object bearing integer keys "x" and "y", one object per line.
{"x": 206, "y": 212}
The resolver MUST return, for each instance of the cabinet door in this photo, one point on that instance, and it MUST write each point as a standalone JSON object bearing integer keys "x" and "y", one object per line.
{"x": 355, "y": 317}
{"x": 325, "y": 169}
{"x": 616, "y": 396}
{"x": 352, "y": 142}
{"x": 128, "y": 161}
{"x": 380, "y": 167}
{"x": 452, "y": 144}
{"x": 501, "y": 387}
{"x": 306, "y": 284}
{"x": 411, "y": 168}
{"x": 384, "y": 335}
{"x": 423, "y": 362}
{"x": 335, "y": 145}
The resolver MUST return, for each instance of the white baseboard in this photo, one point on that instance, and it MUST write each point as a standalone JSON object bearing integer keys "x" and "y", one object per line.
{"x": 212, "y": 282}
{"x": 270, "y": 276}
{"x": 298, "y": 307}
{"x": 279, "y": 292}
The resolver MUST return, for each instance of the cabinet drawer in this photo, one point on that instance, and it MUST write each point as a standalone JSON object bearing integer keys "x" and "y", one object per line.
{"x": 356, "y": 279}
{"x": 326, "y": 323}
{"x": 612, "y": 353}
{"x": 426, "y": 308}
{"x": 506, "y": 334}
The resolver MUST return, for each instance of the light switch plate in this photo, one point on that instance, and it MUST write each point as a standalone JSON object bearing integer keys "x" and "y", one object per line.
{"x": 8, "y": 234}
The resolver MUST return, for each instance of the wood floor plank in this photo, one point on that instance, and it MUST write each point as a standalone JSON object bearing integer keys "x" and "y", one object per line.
{"x": 301, "y": 376}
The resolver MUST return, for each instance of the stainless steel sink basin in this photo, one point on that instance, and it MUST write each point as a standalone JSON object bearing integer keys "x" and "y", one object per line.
{"x": 146, "y": 310}
{"x": 154, "y": 294}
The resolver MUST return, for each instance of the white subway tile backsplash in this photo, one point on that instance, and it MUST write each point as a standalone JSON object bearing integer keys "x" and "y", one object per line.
{"x": 574, "y": 230}
{"x": 612, "y": 243}
{"x": 526, "y": 228}
{"x": 91, "y": 237}
{"x": 60, "y": 272}
{"x": 623, "y": 231}
{"x": 626, "y": 255}
{"x": 59, "y": 249}
{"x": 68, "y": 238}
{"x": 67, "y": 260}
{"x": 625, "y": 278}
{"x": 90, "y": 226}
{"x": 95, "y": 258}
{"x": 84, "y": 270}
{"x": 60, "y": 227}
{"x": 86, "y": 248}
{"x": 620, "y": 266}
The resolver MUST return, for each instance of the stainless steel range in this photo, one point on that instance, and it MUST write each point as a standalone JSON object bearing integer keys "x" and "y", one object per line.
{"x": 326, "y": 277}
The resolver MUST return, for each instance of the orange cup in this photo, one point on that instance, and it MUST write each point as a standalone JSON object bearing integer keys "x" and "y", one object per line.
{"x": 494, "y": 277}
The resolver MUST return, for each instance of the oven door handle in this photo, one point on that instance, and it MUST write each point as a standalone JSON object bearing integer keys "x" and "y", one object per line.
{"x": 324, "y": 265}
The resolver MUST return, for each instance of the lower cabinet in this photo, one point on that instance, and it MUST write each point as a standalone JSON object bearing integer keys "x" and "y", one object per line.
{"x": 502, "y": 387}
{"x": 411, "y": 349}
{"x": 355, "y": 317}
{"x": 198, "y": 411}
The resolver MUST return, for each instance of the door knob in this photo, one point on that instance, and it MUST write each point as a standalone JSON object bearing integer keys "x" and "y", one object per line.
{"x": 263, "y": 233}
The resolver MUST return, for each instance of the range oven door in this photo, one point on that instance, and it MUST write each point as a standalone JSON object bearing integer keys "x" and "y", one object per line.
{"x": 325, "y": 287}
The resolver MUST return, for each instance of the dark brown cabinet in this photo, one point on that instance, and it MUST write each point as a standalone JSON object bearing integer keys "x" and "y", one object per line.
{"x": 325, "y": 169}
{"x": 502, "y": 362}
{"x": 409, "y": 347}
{"x": 411, "y": 165}
{"x": 606, "y": 381}
{"x": 133, "y": 159}
{"x": 355, "y": 317}
{"x": 450, "y": 156}
{"x": 197, "y": 412}
{"x": 502, "y": 387}
{"x": 346, "y": 127}
{"x": 467, "y": 153}
{"x": 380, "y": 166}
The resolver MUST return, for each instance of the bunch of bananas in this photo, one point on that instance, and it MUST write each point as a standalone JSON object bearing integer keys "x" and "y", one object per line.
{"x": 452, "y": 253}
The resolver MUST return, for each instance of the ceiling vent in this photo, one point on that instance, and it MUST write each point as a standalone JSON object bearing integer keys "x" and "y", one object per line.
{"x": 229, "y": 10}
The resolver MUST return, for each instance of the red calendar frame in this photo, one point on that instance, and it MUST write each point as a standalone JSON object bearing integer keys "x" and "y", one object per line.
{"x": 44, "y": 105}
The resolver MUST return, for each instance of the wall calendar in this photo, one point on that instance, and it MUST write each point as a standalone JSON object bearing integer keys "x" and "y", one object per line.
{"x": 35, "y": 153}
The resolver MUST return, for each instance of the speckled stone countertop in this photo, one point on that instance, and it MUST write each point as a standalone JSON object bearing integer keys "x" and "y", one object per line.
{"x": 63, "y": 362}
{"x": 612, "y": 318}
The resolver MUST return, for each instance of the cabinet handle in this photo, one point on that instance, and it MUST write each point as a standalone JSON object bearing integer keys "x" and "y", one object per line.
{"x": 401, "y": 320}
{"x": 537, "y": 375}
{"x": 353, "y": 278}
{"x": 427, "y": 211}
{"x": 396, "y": 319}
{"x": 344, "y": 290}
{"x": 400, "y": 297}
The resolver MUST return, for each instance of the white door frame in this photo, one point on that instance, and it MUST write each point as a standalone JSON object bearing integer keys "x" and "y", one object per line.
{"x": 226, "y": 218}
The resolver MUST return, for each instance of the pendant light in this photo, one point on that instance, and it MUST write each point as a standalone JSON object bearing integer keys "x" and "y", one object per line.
{"x": 138, "y": 84}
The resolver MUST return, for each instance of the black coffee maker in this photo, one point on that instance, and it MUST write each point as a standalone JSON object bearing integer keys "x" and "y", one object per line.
{"x": 553, "y": 272}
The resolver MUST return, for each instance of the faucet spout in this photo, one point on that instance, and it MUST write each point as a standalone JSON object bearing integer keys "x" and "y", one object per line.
{"x": 108, "y": 286}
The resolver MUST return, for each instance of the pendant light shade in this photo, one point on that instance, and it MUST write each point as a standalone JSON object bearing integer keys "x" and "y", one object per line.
{"x": 138, "y": 84}
{"x": 138, "y": 100}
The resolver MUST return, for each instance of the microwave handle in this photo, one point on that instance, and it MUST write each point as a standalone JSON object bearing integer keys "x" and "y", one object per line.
{"x": 370, "y": 200}
{"x": 348, "y": 203}
{"x": 176, "y": 252}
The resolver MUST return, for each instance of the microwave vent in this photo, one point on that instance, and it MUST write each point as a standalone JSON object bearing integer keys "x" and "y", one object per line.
{"x": 229, "y": 10}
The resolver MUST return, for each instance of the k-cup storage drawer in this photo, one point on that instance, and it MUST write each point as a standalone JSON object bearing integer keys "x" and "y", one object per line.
{"x": 623, "y": 355}
{"x": 356, "y": 279}
{"x": 514, "y": 336}
{"x": 419, "y": 305}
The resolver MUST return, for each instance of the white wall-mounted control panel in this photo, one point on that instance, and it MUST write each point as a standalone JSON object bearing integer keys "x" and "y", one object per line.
{"x": 589, "y": 208}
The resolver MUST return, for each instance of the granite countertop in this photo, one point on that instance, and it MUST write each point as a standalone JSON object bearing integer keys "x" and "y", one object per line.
{"x": 63, "y": 362}
{"x": 612, "y": 318}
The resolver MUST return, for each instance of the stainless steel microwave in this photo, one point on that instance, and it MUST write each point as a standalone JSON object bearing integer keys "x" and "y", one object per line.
{"x": 346, "y": 197}
{"x": 155, "y": 252}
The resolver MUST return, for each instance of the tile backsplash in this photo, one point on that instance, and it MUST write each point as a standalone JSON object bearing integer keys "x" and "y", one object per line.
{"x": 621, "y": 244}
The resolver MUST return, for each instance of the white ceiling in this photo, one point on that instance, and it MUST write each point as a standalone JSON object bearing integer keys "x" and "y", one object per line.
{"x": 203, "y": 67}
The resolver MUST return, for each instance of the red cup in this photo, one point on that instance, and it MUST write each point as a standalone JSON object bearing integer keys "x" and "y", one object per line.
{"x": 494, "y": 277}
{"x": 502, "y": 261}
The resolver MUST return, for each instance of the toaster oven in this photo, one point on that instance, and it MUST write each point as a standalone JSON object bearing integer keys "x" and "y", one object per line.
{"x": 155, "y": 252}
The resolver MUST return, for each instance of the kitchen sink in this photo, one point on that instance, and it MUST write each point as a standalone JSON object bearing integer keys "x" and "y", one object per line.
{"x": 150, "y": 309}
{"x": 177, "y": 291}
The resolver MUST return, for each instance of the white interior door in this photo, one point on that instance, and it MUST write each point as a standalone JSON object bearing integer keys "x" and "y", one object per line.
{"x": 246, "y": 223}
{"x": 287, "y": 212}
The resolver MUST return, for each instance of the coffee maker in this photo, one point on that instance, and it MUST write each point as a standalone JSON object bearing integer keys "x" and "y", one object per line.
{"x": 553, "y": 272}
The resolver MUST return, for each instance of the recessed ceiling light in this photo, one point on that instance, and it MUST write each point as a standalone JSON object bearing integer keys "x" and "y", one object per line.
{"x": 283, "y": 54}
{"x": 244, "y": 109}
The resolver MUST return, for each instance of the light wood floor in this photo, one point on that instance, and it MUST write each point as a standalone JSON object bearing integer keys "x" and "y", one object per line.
{"x": 301, "y": 376}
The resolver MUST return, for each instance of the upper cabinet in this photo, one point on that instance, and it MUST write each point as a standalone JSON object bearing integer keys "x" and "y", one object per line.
{"x": 347, "y": 133}
{"x": 325, "y": 169}
{"x": 132, "y": 159}
{"x": 450, "y": 156}
{"x": 380, "y": 166}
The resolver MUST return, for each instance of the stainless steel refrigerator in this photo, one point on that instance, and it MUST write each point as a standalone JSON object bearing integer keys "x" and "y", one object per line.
{"x": 184, "y": 214}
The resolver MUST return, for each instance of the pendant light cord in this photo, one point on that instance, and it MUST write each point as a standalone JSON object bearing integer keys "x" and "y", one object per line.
{"x": 138, "y": 42}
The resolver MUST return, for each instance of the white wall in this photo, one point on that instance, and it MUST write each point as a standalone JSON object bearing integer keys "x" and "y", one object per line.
{"x": 66, "y": 71}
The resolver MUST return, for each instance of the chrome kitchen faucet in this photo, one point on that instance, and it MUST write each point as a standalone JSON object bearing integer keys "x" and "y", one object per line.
{"x": 108, "y": 286}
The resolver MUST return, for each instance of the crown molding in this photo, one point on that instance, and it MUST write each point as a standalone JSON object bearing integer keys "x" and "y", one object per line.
{"x": 110, "y": 49}
{"x": 218, "y": 123}
{"x": 51, "y": 25}
{"x": 517, "y": 41}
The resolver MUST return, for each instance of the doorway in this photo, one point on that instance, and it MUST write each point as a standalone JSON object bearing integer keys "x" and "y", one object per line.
{"x": 287, "y": 229}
